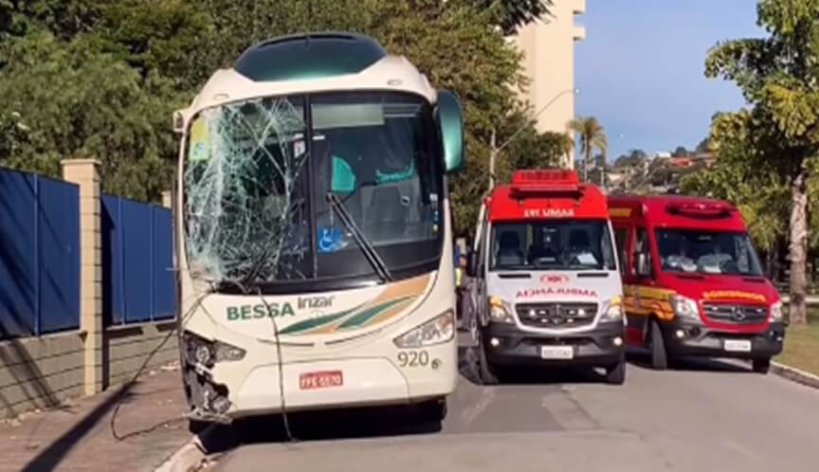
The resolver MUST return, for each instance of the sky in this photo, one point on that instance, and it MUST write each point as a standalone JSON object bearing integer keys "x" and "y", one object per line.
{"x": 640, "y": 69}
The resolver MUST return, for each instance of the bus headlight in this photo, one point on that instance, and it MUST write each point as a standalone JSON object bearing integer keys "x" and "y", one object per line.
{"x": 614, "y": 311}
{"x": 500, "y": 311}
{"x": 201, "y": 351}
{"x": 438, "y": 330}
{"x": 685, "y": 307}
{"x": 776, "y": 313}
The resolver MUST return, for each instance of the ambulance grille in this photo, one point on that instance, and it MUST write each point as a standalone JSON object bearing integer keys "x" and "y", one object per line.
{"x": 556, "y": 315}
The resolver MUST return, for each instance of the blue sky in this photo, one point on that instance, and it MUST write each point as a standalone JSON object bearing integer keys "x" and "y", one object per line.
{"x": 640, "y": 68}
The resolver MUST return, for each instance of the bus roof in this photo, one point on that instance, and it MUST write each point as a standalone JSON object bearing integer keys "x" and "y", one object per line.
{"x": 677, "y": 211}
{"x": 311, "y": 63}
{"x": 546, "y": 194}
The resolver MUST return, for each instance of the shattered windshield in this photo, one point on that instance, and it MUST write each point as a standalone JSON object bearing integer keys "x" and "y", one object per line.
{"x": 552, "y": 245}
{"x": 244, "y": 193}
{"x": 259, "y": 175}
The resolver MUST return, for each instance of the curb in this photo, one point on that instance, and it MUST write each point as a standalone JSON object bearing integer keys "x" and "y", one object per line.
{"x": 795, "y": 375}
{"x": 189, "y": 458}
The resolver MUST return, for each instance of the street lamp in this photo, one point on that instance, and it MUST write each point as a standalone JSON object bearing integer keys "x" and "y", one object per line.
{"x": 496, "y": 150}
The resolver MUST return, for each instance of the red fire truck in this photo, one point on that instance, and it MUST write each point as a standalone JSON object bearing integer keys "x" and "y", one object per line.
{"x": 693, "y": 282}
{"x": 545, "y": 268}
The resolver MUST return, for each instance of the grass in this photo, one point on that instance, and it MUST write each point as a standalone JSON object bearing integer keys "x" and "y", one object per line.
{"x": 802, "y": 345}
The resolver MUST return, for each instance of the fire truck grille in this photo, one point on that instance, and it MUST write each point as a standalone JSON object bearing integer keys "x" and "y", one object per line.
{"x": 737, "y": 314}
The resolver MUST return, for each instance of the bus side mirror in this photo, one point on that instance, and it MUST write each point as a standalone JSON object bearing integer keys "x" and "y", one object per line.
{"x": 451, "y": 121}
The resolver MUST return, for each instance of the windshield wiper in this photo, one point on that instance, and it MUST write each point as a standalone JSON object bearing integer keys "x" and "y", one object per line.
{"x": 363, "y": 242}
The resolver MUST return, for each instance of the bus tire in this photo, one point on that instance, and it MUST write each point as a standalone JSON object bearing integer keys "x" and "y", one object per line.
{"x": 616, "y": 374}
{"x": 487, "y": 372}
{"x": 761, "y": 366}
{"x": 659, "y": 355}
{"x": 433, "y": 411}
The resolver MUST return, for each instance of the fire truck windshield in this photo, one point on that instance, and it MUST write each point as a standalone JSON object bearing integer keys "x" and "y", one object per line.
{"x": 552, "y": 245}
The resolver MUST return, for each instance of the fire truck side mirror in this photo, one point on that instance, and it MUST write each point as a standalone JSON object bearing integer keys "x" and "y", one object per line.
{"x": 451, "y": 121}
{"x": 643, "y": 269}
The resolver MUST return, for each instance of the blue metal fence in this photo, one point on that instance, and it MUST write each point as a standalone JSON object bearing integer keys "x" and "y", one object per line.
{"x": 138, "y": 282}
{"x": 39, "y": 255}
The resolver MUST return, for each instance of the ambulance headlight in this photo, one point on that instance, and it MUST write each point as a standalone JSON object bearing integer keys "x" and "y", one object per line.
{"x": 614, "y": 311}
{"x": 685, "y": 308}
{"x": 500, "y": 311}
{"x": 438, "y": 330}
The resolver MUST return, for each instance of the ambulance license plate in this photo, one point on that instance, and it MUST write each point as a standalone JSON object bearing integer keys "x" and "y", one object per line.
{"x": 314, "y": 380}
{"x": 556, "y": 352}
{"x": 737, "y": 345}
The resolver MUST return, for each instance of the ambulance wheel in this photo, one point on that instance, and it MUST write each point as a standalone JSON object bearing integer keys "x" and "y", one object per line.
{"x": 659, "y": 356}
{"x": 762, "y": 366}
{"x": 487, "y": 372}
{"x": 616, "y": 374}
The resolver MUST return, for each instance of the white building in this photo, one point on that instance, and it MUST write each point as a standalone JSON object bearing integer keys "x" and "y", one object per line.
{"x": 548, "y": 62}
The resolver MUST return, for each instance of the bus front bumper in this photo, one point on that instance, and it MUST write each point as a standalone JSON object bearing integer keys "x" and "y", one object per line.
{"x": 694, "y": 340}
{"x": 263, "y": 388}
{"x": 598, "y": 347}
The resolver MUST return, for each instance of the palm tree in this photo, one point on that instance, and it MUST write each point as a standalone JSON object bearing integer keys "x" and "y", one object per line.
{"x": 592, "y": 136}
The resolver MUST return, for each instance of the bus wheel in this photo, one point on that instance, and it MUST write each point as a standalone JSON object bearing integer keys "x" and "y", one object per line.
{"x": 659, "y": 356}
{"x": 433, "y": 411}
{"x": 762, "y": 366}
{"x": 616, "y": 374}
{"x": 487, "y": 372}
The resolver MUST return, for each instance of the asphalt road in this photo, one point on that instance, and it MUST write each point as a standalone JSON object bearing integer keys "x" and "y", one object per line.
{"x": 703, "y": 416}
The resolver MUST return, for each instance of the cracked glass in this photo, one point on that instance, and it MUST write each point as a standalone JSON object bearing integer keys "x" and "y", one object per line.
{"x": 245, "y": 199}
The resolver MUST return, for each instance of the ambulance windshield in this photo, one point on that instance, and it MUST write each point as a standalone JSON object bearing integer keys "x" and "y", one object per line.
{"x": 552, "y": 245}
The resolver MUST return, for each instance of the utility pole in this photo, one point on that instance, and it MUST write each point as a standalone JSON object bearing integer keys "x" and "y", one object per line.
{"x": 495, "y": 150}
{"x": 493, "y": 154}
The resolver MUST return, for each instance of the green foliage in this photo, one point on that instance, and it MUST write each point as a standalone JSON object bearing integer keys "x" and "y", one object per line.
{"x": 760, "y": 195}
{"x": 778, "y": 75}
{"x": 100, "y": 78}
{"x": 592, "y": 136}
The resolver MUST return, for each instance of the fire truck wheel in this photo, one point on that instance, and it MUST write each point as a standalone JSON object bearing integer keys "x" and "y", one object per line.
{"x": 659, "y": 356}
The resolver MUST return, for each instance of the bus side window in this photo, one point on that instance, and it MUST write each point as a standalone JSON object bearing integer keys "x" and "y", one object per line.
{"x": 641, "y": 263}
{"x": 621, "y": 240}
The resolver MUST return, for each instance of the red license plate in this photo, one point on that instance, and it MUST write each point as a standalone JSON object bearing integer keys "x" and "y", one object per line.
{"x": 314, "y": 380}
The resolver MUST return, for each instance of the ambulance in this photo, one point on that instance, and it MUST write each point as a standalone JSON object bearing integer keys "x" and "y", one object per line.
{"x": 546, "y": 275}
{"x": 693, "y": 282}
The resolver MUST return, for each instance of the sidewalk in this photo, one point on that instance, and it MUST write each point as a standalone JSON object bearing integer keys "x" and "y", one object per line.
{"x": 77, "y": 436}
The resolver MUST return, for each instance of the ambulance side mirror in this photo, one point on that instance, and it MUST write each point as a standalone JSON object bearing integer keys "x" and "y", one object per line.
{"x": 472, "y": 264}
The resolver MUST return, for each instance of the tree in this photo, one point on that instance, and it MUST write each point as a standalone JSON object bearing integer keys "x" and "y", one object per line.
{"x": 681, "y": 151}
{"x": 703, "y": 146}
{"x": 778, "y": 77}
{"x": 512, "y": 14}
{"x": 592, "y": 136}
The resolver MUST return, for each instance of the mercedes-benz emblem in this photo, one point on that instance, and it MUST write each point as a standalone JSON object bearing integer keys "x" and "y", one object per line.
{"x": 738, "y": 313}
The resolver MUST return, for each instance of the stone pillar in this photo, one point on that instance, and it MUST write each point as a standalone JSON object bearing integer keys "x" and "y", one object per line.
{"x": 85, "y": 173}
{"x": 167, "y": 199}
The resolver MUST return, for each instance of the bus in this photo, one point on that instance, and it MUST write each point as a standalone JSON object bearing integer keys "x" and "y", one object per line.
{"x": 314, "y": 235}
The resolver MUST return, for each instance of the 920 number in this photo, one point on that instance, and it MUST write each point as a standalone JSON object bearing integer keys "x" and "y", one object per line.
{"x": 413, "y": 359}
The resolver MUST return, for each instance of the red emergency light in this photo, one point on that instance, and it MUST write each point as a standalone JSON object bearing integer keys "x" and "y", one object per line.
{"x": 530, "y": 182}
{"x": 701, "y": 209}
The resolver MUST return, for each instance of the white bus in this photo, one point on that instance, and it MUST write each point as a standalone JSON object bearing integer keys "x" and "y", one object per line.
{"x": 314, "y": 235}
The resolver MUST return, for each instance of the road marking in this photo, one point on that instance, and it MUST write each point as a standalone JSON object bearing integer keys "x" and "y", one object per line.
{"x": 567, "y": 412}
{"x": 472, "y": 412}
